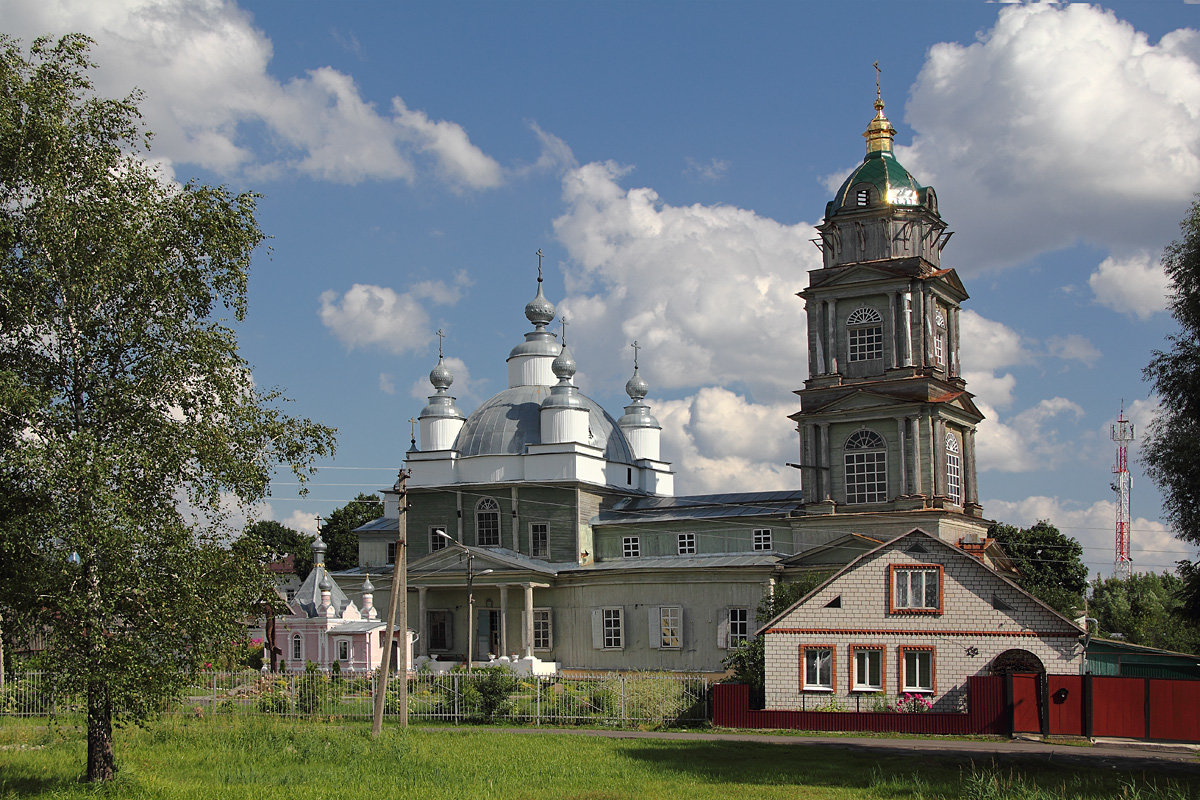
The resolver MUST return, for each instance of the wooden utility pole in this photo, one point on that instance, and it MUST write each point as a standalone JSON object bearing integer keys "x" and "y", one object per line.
{"x": 398, "y": 604}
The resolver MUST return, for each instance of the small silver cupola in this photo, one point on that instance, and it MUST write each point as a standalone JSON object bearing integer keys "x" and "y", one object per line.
{"x": 639, "y": 426}
{"x": 529, "y": 362}
{"x": 565, "y": 416}
{"x": 440, "y": 420}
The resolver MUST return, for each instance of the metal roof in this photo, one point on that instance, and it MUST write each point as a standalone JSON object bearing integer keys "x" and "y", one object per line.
{"x": 379, "y": 524}
{"x": 365, "y": 626}
{"x": 703, "y": 506}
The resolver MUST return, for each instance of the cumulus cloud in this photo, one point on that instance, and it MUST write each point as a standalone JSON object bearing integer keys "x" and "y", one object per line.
{"x": 301, "y": 521}
{"x": 707, "y": 290}
{"x": 1135, "y": 285}
{"x": 1030, "y": 440}
{"x": 1152, "y": 546}
{"x": 1073, "y": 347}
{"x": 720, "y": 442}
{"x": 377, "y": 315}
{"x": 204, "y": 69}
{"x": 711, "y": 171}
{"x": 1060, "y": 123}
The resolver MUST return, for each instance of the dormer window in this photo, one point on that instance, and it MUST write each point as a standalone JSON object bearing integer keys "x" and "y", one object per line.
{"x": 866, "y": 334}
{"x": 862, "y": 197}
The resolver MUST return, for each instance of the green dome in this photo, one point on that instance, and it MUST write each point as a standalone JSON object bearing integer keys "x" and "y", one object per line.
{"x": 888, "y": 182}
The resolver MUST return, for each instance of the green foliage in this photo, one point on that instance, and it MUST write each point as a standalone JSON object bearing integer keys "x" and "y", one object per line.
{"x": 338, "y": 530}
{"x": 1171, "y": 446}
{"x": 123, "y": 398}
{"x": 273, "y": 698}
{"x": 268, "y": 540}
{"x": 1050, "y": 563}
{"x": 316, "y": 692}
{"x": 746, "y": 663}
{"x": 1147, "y": 609}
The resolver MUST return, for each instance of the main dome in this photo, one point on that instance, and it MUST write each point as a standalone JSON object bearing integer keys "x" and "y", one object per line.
{"x": 893, "y": 184}
{"x": 510, "y": 420}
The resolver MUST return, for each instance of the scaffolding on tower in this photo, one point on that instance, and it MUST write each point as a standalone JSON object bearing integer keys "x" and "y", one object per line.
{"x": 1122, "y": 434}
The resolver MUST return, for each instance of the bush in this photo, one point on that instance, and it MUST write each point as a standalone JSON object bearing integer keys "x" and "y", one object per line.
{"x": 274, "y": 697}
{"x": 488, "y": 694}
{"x": 315, "y": 692}
{"x": 913, "y": 703}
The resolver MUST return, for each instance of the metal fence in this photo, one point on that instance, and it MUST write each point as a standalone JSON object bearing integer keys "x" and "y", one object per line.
{"x": 486, "y": 695}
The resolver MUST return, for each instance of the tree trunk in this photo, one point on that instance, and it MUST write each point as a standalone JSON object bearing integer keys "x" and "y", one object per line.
{"x": 101, "y": 765}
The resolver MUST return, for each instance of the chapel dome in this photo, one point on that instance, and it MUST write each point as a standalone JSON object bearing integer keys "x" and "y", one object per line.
{"x": 510, "y": 420}
{"x": 887, "y": 182}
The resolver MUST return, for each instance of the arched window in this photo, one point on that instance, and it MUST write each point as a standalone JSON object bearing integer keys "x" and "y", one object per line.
{"x": 866, "y": 334}
{"x": 953, "y": 470}
{"x": 487, "y": 523}
{"x": 862, "y": 197}
{"x": 939, "y": 338}
{"x": 297, "y": 649}
{"x": 866, "y": 467}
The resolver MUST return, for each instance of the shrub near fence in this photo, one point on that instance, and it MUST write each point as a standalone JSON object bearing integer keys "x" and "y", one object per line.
{"x": 489, "y": 694}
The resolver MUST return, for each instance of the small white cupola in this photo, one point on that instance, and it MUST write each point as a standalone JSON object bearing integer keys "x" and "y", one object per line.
{"x": 640, "y": 428}
{"x": 441, "y": 419}
{"x": 368, "y": 600}
{"x": 564, "y": 414}
{"x": 529, "y": 362}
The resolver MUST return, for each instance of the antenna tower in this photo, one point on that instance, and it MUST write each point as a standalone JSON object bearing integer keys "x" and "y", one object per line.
{"x": 1122, "y": 434}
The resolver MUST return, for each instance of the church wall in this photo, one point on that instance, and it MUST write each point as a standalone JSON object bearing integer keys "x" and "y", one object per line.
{"x": 556, "y": 508}
{"x": 713, "y": 536}
{"x": 428, "y": 509}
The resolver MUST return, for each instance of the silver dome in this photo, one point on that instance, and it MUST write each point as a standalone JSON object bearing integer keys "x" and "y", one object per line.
{"x": 510, "y": 420}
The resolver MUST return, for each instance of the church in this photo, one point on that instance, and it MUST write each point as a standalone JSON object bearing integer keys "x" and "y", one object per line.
{"x": 557, "y": 523}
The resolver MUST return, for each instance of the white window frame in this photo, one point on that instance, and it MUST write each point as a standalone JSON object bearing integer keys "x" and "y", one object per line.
{"x": 544, "y": 550}
{"x": 739, "y": 627}
{"x": 763, "y": 539}
{"x": 922, "y": 660}
{"x": 911, "y": 594}
{"x": 864, "y": 341}
{"x": 487, "y": 509}
{"x": 954, "y": 482}
{"x": 298, "y": 649}
{"x": 939, "y": 338}
{"x": 344, "y": 644}
{"x": 862, "y": 663}
{"x": 613, "y": 627}
{"x": 670, "y": 627}
{"x": 685, "y": 544}
{"x": 543, "y": 629}
{"x": 438, "y": 542}
{"x": 818, "y": 668}
{"x": 631, "y": 547}
{"x": 865, "y": 459}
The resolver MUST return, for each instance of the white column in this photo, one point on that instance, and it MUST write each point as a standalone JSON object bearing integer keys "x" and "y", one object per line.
{"x": 972, "y": 492}
{"x": 814, "y": 333}
{"x": 915, "y": 431}
{"x": 831, "y": 340}
{"x": 503, "y": 619}
{"x": 955, "y": 367}
{"x": 889, "y": 353}
{"x": 937, "y": 452}
{"x": 906, "y": 337}
{"x": 422, "y": 622}
{"x": 900, "y": 437}
{"x": 516, "y": 533}
{"x": 528, "y": 620}
{"x": 826, "y": 463}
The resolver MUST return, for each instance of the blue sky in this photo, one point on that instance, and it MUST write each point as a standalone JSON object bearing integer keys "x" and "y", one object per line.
{"x": 670, "y": 160}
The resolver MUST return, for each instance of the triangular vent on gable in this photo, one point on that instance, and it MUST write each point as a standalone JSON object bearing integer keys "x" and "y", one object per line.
{"x": 835, "y": 602}
{"x": 999, "y": 604}
{"x": 916, "y": 547}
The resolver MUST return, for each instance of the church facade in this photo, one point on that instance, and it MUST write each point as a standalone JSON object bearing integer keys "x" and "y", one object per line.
{"x": 559, "y": 525}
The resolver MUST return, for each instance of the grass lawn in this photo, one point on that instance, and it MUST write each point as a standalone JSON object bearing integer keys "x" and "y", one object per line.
{"x": 263, "y": 758}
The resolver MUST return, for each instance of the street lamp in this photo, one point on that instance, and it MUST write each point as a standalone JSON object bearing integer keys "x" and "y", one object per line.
{"x": 471, "y": 573}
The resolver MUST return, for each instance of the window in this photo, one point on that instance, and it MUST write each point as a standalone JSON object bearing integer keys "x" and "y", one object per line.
{"x": 436, "y": 540}
{"x": 343, "y": 648}
{"x": 916, "y": 590}
{"x": 862, "y": 197}
{"x": 391, "y": 553}
{"x": 866, "y": 334}
{"x": 487, "y": 523}
{"x": 686, "y": 544}
{"x": 542, "y": 639}
{"x": 739, "y": 626}
{"x": 614, "y": 630}
{"x": 818, "y": 668}
{"x": 539, "y": 540}
{"x": 762, "y": 539}
{"x": 916, "y": 669}
{"x": 291, "y": 595}
{"x": 866, "y": 468}
{"x": 953, "y": 470}
{"x": 867, "y": 663}
{"x": 440, "y": 637}
{"x": 670, "y": 628}
{"x": 939, "y": 338}
{"x": 297, "y": 649}
{"x": 631, "y": 547}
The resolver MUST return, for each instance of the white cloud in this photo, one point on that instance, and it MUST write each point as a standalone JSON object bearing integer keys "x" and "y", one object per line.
{"x": 712, "y": 171}
{"x": 1135, "y": 285}
{"x": 1152, "y": 546}
{"x": 707, "y": 290}
{"x": 377, "y": 315}
{"x": 204, "y": 69}
{"x": 988, "y": 345}
{"x": 301, "y": 521}
{"x": 1073, "y": 347}
{"x": 720, "y": 442}
{"x": 1058, "y": 124}
{"x": 1028, "y": 441}
{"x": 387, "y": 383}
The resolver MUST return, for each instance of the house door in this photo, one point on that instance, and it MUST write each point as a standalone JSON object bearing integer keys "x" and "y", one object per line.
{"x": 487, "y": 639}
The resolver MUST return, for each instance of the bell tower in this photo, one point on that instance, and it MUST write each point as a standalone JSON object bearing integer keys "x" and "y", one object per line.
{"x": 886, "y": 422}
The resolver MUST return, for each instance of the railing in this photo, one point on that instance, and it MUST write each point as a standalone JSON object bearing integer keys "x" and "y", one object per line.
{"x": 486, "y": 695}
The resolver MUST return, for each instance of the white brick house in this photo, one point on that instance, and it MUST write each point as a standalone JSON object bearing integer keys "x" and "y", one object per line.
{"x": 915, "y": 615}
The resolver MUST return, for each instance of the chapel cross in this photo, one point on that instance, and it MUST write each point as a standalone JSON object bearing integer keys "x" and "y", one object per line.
{"x": 635, "y": 347}
{"x": 878, "y": 96}
{"x": 441, "y": 334}
{"x": 412, "y": 421}
{"x": 539, "y": 255}
{"x": 564, "y": 330}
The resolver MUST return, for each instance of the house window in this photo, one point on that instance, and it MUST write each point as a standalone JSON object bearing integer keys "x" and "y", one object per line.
{"x": 539, "y": 540}
{"x": 866, "y": 467}
{"x": 391, "y": 553}
{"x": 916, "y": 590}
{"x": 437, "y": 539}
{"x": 297, "y": 649}
{"x": 762, "y": 539}
{"x": 487, "y": 523}
{"x": 343, "y": 648}
{"x": 291, "y": 595}
{"x": 686, "y": 544}
{"x": 953, "y": 470}
{"x": 818, "y": 667}
{"x": 542, "y": 633}
{"x": 631, "y": 547}
{"x": 614, "y": 638}
{"x": 866, "y": 334}
{"x": 917, "y": 669}
{"x": 867, "y": 666}
{"x": 739, "y": 626}
{"x": 670, "y": 627}
{"x": 440, "y": 637}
